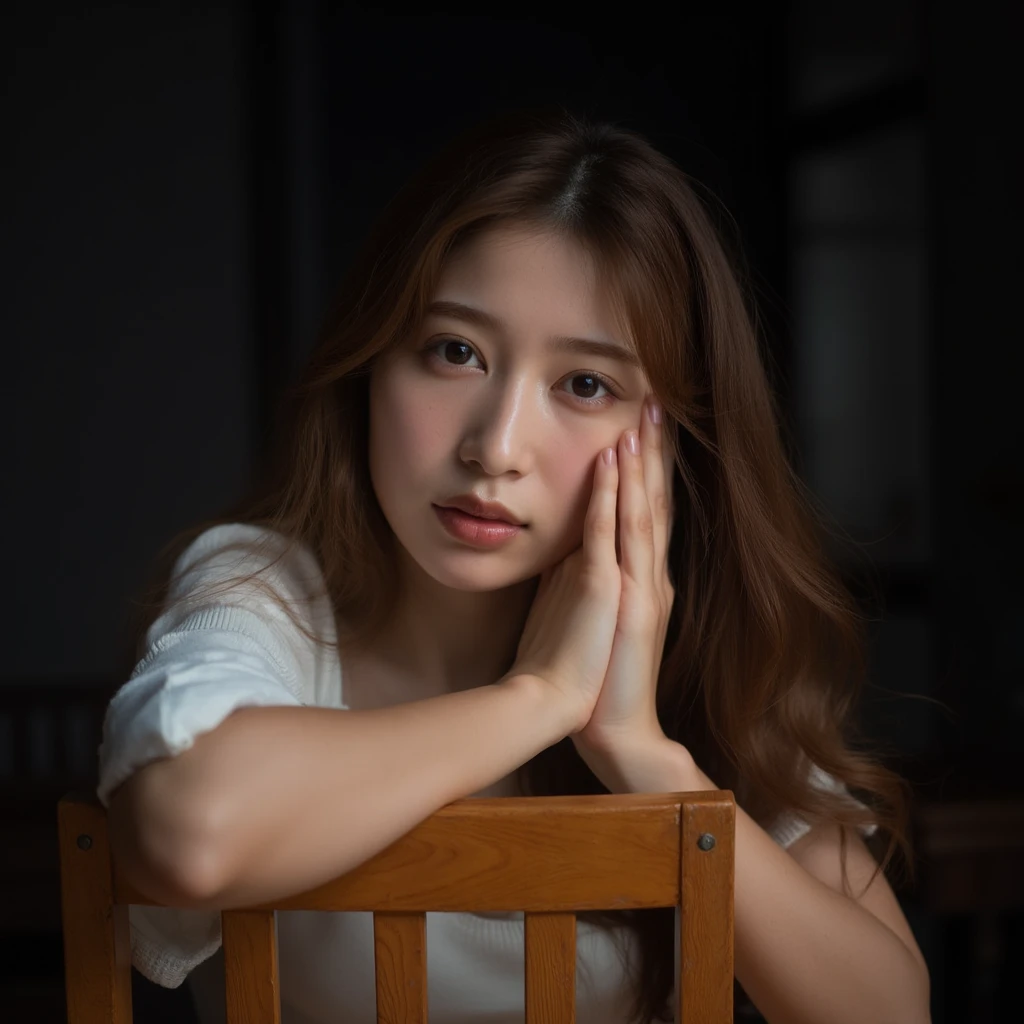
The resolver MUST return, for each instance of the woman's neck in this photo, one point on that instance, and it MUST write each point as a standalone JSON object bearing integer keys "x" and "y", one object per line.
{"x": 441, "y": 640}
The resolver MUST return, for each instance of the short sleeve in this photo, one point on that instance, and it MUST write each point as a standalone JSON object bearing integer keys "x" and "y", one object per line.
{"x": 789, "y": 827}
{"x": 205, "y": 657}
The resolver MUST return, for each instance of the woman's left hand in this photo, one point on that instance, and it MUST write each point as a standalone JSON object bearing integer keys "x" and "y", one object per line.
{"x": 625, "y": 714}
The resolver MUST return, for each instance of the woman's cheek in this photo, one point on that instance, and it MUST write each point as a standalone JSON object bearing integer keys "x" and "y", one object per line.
{"x": 572, "y": 472}
{"x": 417, "y": 424}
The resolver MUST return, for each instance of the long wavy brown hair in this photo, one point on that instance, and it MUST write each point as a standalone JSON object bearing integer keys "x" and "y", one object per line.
{"x": 764, "y": 656}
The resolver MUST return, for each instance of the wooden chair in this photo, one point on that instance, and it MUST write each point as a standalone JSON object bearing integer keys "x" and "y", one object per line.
{"x": 546, "y": 856}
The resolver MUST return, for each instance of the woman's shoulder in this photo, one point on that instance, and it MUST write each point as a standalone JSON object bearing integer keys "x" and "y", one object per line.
{"x": 788, "y": 826}
{"x": 229, "y": 550}
{"x": 253, "y": 580}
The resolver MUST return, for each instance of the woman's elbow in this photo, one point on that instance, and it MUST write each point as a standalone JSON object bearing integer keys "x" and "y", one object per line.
{"x": 162, "y": 854}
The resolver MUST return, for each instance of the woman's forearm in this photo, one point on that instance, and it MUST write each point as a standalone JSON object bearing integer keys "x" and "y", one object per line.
{"x": 292, "y": 797}
{"x": 804, "y": 953}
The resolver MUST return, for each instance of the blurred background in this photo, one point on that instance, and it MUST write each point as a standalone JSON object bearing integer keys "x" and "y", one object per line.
{"x": 185, "y": 183}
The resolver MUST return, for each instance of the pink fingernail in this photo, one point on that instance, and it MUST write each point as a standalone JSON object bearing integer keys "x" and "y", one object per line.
{"x": 654, "y": 411}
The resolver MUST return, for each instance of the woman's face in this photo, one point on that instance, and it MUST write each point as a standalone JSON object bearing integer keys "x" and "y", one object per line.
{"x": 499, "y": 411}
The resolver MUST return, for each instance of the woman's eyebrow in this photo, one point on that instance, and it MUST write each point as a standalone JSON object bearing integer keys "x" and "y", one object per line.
{"x": 559, "y": 343}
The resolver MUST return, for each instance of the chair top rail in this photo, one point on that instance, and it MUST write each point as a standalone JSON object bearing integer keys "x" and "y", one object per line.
{"x": 559, "y": 853}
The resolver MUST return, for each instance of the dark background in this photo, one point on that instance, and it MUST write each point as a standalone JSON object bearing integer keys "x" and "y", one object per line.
{"x": 184, "y": 183}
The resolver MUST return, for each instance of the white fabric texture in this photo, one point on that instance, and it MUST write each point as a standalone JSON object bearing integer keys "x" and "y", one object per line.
{"x": 208, "y": 657}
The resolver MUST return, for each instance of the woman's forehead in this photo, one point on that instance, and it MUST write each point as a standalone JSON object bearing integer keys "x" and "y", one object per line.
{"x": 535, "y": 279}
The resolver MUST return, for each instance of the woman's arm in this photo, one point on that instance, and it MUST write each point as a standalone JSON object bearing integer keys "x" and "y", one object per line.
{"x": 805, "y": 953}
{"x": 278, "y": 800}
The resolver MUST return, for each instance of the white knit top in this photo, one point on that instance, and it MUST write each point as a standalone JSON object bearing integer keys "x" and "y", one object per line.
{"x": 204, "y": 658}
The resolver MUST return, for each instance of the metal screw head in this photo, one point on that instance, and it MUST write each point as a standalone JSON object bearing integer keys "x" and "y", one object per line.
{"x": 84, "y": 842}
{"x": 706, "y": 841}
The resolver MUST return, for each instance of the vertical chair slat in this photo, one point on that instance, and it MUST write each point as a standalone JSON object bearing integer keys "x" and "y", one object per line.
{"x": 97, "y": 940}
{"x": 705, "y": 967}
{"x": 251, "y": 977}
{"x": 400, "y": 966}
{"x": 550, "y": 968}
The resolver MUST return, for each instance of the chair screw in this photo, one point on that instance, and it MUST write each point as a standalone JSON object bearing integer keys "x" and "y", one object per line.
{"x": 706, "y": 841}
{"x": 84, "y": 842}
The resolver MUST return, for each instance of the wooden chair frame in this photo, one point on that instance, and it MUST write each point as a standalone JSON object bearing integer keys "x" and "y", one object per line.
{"x": 549, "y": 857}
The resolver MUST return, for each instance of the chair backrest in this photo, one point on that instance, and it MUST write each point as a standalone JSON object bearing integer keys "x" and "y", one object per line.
{"x": 549, "y": 857}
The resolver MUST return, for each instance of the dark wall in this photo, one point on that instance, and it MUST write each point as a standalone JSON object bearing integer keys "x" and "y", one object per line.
{"x": 977, "y": 260}
{"x": 126, "y": 310}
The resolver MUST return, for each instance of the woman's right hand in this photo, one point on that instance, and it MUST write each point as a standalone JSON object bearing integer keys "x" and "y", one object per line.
{"x": 566, "y": 643}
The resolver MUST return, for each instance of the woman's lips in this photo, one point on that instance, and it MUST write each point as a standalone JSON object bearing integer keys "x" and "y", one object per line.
{"x": 486, "y": 533}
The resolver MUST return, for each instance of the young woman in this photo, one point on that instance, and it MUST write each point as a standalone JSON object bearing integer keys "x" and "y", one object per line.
{"x": 544, "y": 329}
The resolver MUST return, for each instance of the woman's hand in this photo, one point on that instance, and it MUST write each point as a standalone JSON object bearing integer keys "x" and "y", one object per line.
{"x": 567, "y": 639}
{"x": 625, "y": 714}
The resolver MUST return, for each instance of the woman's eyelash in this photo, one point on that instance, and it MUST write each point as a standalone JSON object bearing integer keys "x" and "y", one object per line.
{"x": 432, "y": 347}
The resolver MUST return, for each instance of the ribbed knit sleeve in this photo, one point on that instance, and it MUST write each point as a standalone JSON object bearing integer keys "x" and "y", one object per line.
{"x": 205, "y": 657}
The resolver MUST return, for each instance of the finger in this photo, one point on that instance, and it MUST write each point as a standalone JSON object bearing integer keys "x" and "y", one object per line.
{"x": 599, "y": 527}
{"x": 635, "y": 522}
{"x": 657, "y": 479}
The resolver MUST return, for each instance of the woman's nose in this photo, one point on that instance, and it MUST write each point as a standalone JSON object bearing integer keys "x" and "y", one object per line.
{"x": 505, "y": 433}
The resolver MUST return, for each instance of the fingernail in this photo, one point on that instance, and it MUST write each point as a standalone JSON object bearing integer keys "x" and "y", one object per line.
{"x": 632, "y": 442}
{"x": 654, "y": 411}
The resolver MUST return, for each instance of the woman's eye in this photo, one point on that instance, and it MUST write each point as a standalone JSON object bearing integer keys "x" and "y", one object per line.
{"x": 461, "y": 351}
{"x": 449, "y": 345}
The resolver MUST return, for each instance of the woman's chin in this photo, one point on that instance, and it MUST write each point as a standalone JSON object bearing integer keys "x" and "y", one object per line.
{"x": 477, "y": 578}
